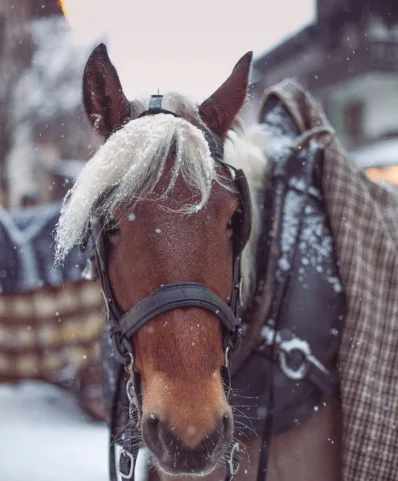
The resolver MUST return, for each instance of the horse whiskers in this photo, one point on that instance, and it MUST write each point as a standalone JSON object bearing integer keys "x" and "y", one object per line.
{"x": 251, "y": 418}
{"x": 236, "y": 393}
{"x": 247, "y": 417}
{"x": 242, "y": 433}
{"x": 242, "y": 406}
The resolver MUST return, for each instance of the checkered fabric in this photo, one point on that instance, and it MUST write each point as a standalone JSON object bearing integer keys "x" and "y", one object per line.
{"x": 52, "y": 334}
{"x": 46, "y": 331}
{"x": 364, "y": 221}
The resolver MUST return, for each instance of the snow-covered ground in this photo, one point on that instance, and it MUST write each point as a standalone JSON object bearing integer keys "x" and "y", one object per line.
{"x": 44, "y": 436}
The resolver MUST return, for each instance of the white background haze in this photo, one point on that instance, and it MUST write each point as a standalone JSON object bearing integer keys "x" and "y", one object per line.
{"x": 183, "y": 45}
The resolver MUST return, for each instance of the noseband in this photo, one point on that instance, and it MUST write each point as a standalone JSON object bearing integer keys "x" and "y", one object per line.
{"x": 123, "y": 325}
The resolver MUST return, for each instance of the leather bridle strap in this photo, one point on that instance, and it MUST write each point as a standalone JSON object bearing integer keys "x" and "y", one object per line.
{"x": 176, "y": 296}
{"x": 166, "y": 298}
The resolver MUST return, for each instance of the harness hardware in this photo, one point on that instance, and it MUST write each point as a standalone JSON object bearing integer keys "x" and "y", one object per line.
{"x": 130, "y": 459}
{"x": 233, "y": 461}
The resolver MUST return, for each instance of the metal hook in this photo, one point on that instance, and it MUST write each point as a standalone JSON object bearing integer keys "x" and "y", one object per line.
{"x": 226, "y": 358}
{"x": 233, "y": 464}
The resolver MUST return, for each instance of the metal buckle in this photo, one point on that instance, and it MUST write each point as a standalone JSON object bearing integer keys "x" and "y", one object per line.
{"x": 124, "y": 452}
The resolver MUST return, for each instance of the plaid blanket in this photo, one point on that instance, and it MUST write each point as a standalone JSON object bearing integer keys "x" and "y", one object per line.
{"x": 364, "y": 221}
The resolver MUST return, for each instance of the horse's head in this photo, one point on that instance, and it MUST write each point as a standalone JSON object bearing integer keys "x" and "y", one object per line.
{"x": 167, "y": 207}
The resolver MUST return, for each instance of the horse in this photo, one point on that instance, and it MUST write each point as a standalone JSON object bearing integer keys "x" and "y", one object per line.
{"x": 174, "y": 202}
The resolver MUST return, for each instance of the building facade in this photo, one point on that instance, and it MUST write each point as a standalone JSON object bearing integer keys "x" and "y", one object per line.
{"x": 348, "y": 59}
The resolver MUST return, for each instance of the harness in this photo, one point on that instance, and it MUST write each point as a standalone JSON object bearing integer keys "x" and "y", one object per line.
{"x": 284, "y": 362}
{"x": 123, "y": 325}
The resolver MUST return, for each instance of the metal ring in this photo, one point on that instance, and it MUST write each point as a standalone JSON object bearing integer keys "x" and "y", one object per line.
{"x": 130, "y": 456}
{"x": 130, "y": 390}
{"x": 296, "y": 374}
{"x": 233, "y": 469}
{"x": 286, "y": 347}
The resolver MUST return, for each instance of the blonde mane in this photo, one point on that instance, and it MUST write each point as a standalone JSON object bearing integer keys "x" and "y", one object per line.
{"x": 129, "y": 165}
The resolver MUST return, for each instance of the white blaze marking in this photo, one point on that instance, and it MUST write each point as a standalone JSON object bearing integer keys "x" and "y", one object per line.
{"x": 191, "y": 430}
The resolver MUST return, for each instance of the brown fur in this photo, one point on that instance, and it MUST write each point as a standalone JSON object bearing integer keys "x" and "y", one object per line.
{"x": 178, "y": 354}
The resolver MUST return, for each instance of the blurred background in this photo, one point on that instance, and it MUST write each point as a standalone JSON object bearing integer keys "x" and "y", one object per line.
{"x": 345, "y": 52}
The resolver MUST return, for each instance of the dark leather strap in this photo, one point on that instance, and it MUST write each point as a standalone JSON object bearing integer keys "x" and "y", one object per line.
{"x": 154, "y": 111}
{"x": 155, "y": 107}
{"x": 175, "y": 296}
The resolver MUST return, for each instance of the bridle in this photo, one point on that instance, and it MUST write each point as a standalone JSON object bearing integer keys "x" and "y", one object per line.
{"x": 123, "y": 325}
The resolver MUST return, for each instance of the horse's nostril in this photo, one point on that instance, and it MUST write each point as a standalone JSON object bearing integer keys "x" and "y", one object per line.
{"x": 153, "y": 420}
{"x": 228, "y": 425}
{"x": 151, "y": 429}
{"x": 187, "y": 450}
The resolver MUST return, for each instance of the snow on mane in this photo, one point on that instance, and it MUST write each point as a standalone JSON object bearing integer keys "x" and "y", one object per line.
{"x": 128, "y": 167}
{"x": 132, "y": 161}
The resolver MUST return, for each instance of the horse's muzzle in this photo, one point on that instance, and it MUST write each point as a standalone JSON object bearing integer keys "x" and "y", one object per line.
{"x": 176, "y": 459}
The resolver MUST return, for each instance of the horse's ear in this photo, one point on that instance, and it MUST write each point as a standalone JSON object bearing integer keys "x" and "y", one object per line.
{"x": 106, "y": 105}
{"x": 219, "y": 110}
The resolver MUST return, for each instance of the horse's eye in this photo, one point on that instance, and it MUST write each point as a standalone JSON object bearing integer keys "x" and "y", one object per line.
{"x": 232, "y": 220}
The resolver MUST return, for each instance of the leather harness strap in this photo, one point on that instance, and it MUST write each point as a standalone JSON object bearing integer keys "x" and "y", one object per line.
{"x": 176, "y": 296}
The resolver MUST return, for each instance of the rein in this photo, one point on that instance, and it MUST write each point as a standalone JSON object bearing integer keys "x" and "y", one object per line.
{"x": 168, "y": 297}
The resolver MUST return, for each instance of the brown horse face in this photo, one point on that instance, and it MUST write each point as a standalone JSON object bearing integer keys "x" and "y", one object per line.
{"x": 186, "y": 423}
